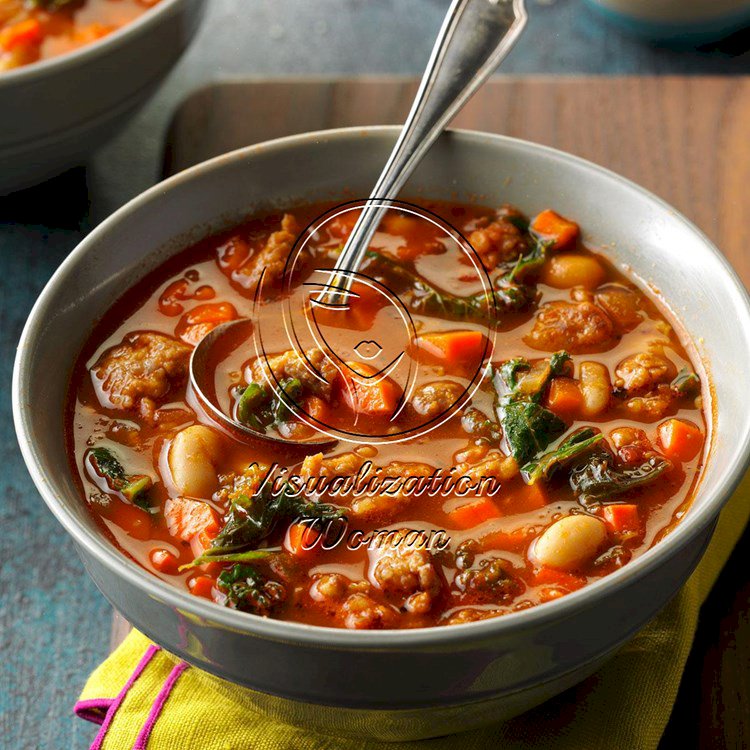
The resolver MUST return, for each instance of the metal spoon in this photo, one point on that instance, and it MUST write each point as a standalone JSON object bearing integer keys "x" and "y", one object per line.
{"x": 475, "y": 37}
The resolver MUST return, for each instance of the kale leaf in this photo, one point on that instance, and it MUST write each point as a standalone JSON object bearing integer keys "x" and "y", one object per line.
{"x": 687, "y": 383}
{"x": 246, "y": 589}
{"x": 251, "y": 518}
{"x": 598, "y": 478}
{"x": 134, "y": 487}
{"x": 528, "y": 426}
{"x": 259, "y": 409}
{"x": 579, "y": 443}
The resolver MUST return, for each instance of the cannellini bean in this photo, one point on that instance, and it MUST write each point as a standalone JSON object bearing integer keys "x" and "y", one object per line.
{"x": 569, "y": 542}
{"x": 596, "y": 388}
{"x": 192, "y": 461}
{"x": 566, "y": 271}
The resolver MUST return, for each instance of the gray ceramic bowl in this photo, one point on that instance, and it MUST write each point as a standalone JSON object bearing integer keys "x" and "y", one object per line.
{"x": 392, "y": 684}
{"x": 56, "y": 112}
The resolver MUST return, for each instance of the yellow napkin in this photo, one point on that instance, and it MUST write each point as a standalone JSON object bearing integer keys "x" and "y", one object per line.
{"x": 147, "y": 699}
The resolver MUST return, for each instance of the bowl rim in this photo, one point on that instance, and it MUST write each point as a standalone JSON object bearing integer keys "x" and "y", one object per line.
{"x": 96, "y": 545}
{"x": 94, "y": 49}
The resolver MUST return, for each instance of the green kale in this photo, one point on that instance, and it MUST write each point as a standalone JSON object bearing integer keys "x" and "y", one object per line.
{"x": 571, "y": 449}
{"x": 251, "y": 518}
{"x": 597, "y": 478}
{"x": 259, "y": 409}
{"x": 528, "y": 426}
{"x": 687, "y": 383}
{"x": 248, "y": 590}
{"x": 531, "y": 262}
{"x": 134, "y": 487}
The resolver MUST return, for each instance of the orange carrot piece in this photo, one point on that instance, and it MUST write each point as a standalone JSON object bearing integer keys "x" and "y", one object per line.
{"x": 680, "y": 440}
{"x": 25, "y": 33}
{"x": 622, "y": 518}
{"x": 453, "y": 347}
{"x": 508, "y": 541}
{"x": 376, "y": 397}
{"x": 201, "y": 586}
{"x": 199, "y": 321}
{"x": 471, "y": 514}
{"x": 551, "y": 225}
{"x": 524, "y": 498}
{"x": 164, "y": 561}
{"x": 302, "y": 540}
{"x": 187, "y": 518}
{"x": 564, "y": 396}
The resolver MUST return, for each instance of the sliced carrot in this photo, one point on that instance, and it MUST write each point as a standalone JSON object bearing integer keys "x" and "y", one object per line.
{"x": 199, "y": 321}
{"x": 564, "y": 396}
{"x": 452, "y": 347}
{"x": 187, "y": 518}
{"x": 316, "y": 408}
{"x": 622, "y": 518}
{"x": 302, "y": 540}
{"x": 680, "y": 440}
{"x": 21, "y": 34}
{"x": 201, "y": 586}
{"x": 545, "y": 576}
{"x": 164, "y": 561}
{"x": 551, "y": 225}
{"x": 471, "y": 514}
{"x": 377, "y": 397}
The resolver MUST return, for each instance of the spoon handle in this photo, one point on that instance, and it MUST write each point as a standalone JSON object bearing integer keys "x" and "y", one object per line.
{"x": 475, "y": 37}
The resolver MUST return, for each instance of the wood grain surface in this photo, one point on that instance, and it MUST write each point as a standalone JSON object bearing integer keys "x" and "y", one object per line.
{"x": 686, "y": 139}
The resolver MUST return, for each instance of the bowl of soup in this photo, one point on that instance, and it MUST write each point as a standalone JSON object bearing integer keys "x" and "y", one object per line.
{"x": 504, "y": 451}
{"x": 71, "y": 73}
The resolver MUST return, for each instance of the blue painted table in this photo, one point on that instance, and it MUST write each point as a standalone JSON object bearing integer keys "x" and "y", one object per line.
{"x": 54, "y": 626}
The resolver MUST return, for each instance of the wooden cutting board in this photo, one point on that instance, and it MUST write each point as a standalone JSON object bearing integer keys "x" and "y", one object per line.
{"x": 685, "y": 139}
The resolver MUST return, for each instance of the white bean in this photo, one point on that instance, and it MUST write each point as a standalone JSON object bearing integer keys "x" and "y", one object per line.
{"x": 569, "y": 542}
{"x": 596, "y": 388}
{"x": 192, "y": 461}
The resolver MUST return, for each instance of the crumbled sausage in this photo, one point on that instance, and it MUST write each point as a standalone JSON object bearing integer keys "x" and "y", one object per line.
{"x": 361, "y": 612}
{"x": 329, "y": 587}
{"x": 269, "y": 262}
{"x": 653, "y": 405}
{"x": 490, "y": 581}
{"x": 641, "y": 372}
{"x": 576, "y": 327}
{"x": 385, "y": 505}
{"x": 497, "y": 242}
{"x": 496, "y": 465}
{"x": 141, "y": 371}
{"x": 409, "y": 573}
{"x": 316, "y": 372}
{"x": 433, "y": 399}
{"x": 623, "y": 306}
{"x": 632, "y": 445}
{"x": 468, "y": 614}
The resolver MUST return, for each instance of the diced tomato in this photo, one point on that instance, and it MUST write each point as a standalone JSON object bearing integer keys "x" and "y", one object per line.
{"x": 471, "y": 514}
{"x": 302, "y": 540}
{"x": 201, "y": 586}
{"x": 551, "y": 225}
{"x": 622, "y": 518}
{"x": 232, "y": 254}
{"x": 545, "y": 576}
{"x": 164, "y": 561}
{"x": 24, "y": 33}
{"x": 315, "y": 408}
{"x": 452, "y": 348}
{"x": 564, "y": 396}
{"x": 187, "y": 518}
{"x": 680, "y": 440}
{"x": 376, "y": 397}
{"x": 199, "y": 321}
